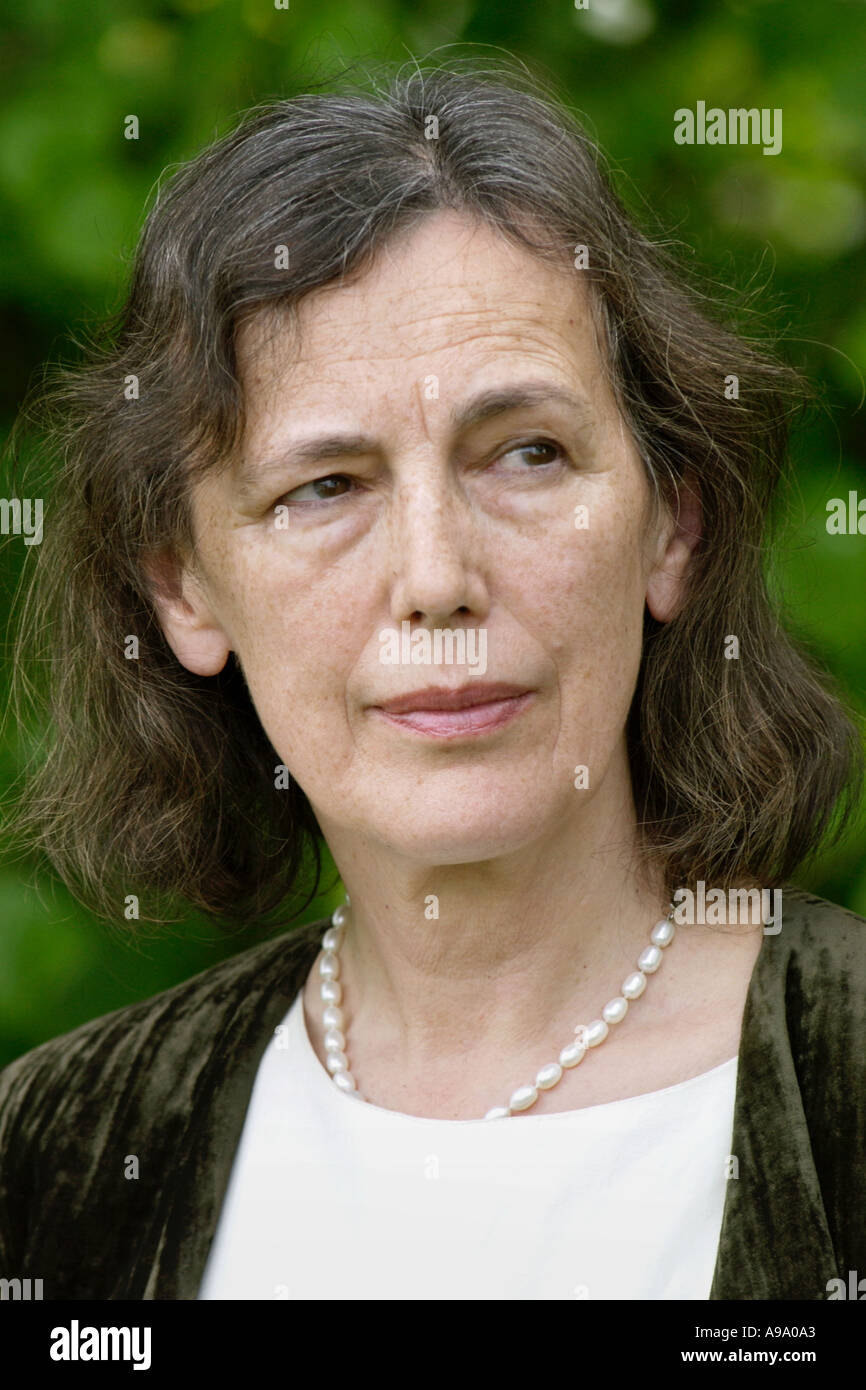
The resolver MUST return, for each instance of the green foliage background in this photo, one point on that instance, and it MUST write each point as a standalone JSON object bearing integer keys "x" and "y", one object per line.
{"x": 72, "y": 190}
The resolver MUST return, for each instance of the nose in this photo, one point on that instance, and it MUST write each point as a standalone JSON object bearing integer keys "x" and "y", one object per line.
{"x": 437, "y": 549}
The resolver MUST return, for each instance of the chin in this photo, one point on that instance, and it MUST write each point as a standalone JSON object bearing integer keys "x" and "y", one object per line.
{"x": 464, "y": 832}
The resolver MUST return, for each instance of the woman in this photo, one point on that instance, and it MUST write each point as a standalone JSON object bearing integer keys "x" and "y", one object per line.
{"x": 397, "y": 371}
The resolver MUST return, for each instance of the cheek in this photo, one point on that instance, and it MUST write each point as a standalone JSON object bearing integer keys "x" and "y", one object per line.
{"x": 296, "y": 643}
{"x": 588, "y": 593}
{"x": 589, "y": 605}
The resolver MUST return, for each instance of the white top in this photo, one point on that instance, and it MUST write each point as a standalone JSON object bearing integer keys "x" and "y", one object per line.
{"x": 332, "y": 1197}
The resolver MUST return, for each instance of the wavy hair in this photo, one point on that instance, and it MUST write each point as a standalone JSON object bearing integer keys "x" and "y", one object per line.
{"x": 148, "y": 776}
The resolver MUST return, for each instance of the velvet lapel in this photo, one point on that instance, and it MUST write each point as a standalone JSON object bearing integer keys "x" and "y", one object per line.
{"x": 775, "y": 1242}
{"x": 174, "y": 1255}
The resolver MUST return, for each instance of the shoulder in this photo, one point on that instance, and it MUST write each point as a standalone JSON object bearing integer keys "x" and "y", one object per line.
{"x": 820, "y": 939}
{"x": 811, "y": 991}
{"x": 812, "y": 971}
{"x": 133, "y": 1094}
{"x": 142, "y": 1042}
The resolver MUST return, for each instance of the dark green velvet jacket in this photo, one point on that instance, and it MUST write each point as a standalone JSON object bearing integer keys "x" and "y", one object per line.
{"x": 168, "y": 1081}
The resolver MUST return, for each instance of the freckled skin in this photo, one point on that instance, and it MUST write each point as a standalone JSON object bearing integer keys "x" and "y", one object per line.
{"x": 562, "y": 607}
{"x": 446, "y": 530}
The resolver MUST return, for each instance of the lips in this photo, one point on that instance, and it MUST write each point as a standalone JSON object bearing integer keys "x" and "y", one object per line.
{"x": 471, "y": 711}
{"x": 436, "y": 697}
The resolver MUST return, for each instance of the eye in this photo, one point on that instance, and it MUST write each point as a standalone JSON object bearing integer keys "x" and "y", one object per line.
{"x": 548, "y": 445}
{"x": 317, "y": 490}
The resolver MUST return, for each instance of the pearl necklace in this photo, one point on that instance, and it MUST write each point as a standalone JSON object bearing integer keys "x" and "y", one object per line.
{"x": 586, "y": 1034}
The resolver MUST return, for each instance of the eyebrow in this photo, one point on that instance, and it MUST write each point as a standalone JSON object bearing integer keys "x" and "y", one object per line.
{"x": 486, "y": 405}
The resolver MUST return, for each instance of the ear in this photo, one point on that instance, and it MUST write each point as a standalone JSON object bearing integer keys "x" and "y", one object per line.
{"x": 666, "y": 585}
{"x": 185, "y": 614}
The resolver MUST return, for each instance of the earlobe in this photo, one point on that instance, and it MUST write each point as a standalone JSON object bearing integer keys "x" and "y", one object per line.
{"x": 666, "y": 585}
{"x": 185, "y": 615}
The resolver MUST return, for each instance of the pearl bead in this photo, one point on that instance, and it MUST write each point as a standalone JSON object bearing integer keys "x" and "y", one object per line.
{"x": 337, "y": 1061}
{"x": 634, "y": 985}
{"x": 331, "y": 991}
{"x": 663, "y": 933}
{"x": 335, "y": 1041}
{"x": 548, "y": 1076}
{"x": 615, "y": 1011}
{"x": 595, "y": 1032}
{"x": 331, "y": 939}
{"x": 523, "y": 1097}
{"x": 571, "y": 1054}
{"x": 329, "y": 966}
{"x": 344, "y": 1080}
{"x": 340, "y": 915}
{"x": 333, "y": 1017}
{"x": 499, "y": 1112}
{"x": 649, "y": 959}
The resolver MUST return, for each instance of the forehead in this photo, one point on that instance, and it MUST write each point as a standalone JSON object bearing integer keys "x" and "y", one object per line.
{"x": 448, "y": 297}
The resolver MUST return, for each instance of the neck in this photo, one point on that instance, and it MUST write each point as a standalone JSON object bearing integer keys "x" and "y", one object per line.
{"x": 498, "y": 953}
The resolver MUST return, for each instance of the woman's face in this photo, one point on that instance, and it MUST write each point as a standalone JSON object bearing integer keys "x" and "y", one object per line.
{"x": 434, "y": 514}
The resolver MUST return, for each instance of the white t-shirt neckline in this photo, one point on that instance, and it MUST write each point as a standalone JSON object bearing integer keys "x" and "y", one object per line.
{"x": 296, "y": 1021}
